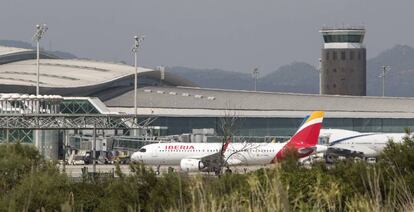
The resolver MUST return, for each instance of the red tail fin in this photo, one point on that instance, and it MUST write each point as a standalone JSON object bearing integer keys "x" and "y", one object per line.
{"x": 305, "y": 138}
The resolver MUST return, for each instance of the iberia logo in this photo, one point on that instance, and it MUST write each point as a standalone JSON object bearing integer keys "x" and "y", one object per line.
{"x": 185, "y": 147}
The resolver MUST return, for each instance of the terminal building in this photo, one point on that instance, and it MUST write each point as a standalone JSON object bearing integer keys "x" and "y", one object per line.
{"x": 179, "y": 106}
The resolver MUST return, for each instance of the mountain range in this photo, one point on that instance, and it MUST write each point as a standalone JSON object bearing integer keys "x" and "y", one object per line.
{"x": 296, "y": 77}
{"x": 303, "y": 78}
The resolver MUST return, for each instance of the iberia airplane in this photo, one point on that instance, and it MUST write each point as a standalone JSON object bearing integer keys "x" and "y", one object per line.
{"x": 211, "y": 157}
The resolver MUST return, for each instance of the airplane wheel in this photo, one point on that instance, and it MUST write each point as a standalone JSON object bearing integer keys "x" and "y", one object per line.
{"x": 217, "y": 172}
{"x": 228, "y": 171}
{"x": 170, "y": 169}
{"x": 330, "y": 159}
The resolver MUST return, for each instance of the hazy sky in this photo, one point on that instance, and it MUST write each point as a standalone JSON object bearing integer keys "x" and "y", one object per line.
{"x": 228, "y": 34}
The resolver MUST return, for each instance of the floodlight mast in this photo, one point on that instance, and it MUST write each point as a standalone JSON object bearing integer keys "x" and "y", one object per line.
{"x": 320, "y": 75}
{"x": 138, "y": 39}
{"x": 384, "y": 70}
{"x": 255, "y": 76}
{"x": 40, "y": 31}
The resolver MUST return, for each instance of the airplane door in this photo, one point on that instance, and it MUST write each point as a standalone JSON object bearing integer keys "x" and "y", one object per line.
{"x": 323, "y": 140}
{"x": 154, "y": 153}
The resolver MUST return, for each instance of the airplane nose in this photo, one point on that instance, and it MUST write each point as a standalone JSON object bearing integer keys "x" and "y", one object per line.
{"x": 135, "y": 157}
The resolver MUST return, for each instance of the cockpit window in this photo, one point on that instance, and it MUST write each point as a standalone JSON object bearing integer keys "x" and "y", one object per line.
{"x": 143, "y": 150}
{"x": 323, "y": 140}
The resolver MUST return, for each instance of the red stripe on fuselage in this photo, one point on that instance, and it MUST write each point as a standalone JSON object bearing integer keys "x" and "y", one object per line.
{"x": 226, "y": 145}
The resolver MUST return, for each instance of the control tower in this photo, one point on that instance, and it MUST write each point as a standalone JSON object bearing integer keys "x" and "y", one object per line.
{"x": 343, "y": 62}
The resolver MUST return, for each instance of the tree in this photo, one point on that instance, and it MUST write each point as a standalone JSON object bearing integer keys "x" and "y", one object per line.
{"x": 16, "y": 161}
{"x": 28, "y": 182}
{"x": 229, "y": 126}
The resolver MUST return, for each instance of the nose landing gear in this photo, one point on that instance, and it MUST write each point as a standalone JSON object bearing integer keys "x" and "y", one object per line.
{"x": 158, "y": 170}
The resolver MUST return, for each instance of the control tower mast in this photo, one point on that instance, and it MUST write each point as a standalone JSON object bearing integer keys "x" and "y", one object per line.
{"x": 343, "y": 62}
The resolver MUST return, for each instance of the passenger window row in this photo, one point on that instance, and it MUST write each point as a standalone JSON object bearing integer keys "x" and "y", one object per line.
{"x": 216, "y": 150}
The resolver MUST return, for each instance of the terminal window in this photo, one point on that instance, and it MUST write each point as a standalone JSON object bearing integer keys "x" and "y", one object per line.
{"x": 343, "y": 55}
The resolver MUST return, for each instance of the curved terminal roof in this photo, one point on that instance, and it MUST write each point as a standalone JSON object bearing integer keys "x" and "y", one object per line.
{"x": 73, "y": 77}
{"x": 12, "y": 54}
{"x": 64, "y": 73}
{"x": 5, "y": 50}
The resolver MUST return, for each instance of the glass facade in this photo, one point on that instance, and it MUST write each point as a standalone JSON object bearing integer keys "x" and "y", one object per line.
{"x": 13, "y": 136}
{"x": 343, "y": 38}
{"x": 74, "y": 106}
{"x": 281, "y": 126}
{"x": 77, "y": 106}
{"x": 248, "y": 127}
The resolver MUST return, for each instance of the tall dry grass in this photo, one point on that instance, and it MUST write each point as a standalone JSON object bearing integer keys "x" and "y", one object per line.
{"x": 268, "y": 193}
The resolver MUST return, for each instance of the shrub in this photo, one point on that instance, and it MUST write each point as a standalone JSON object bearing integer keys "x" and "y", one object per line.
{"x": 30, "y": 183}
{"x": 16, "y": 161}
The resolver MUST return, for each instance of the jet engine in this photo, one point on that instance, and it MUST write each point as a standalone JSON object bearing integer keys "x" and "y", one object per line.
{"x": 191, "y": 165}
{"x": 307, "y": 150}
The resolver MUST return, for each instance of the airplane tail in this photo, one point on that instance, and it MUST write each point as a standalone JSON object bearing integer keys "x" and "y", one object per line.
{"x": 305, "y": 138}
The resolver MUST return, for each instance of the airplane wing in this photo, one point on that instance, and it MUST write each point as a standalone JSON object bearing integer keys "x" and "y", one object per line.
{"x": 234, "y": 161}
{"x": 351, "y": 151}
{"x": 215, "y": 161}
{"x": 206, "y": 157}
{"x": 206, "y": 163}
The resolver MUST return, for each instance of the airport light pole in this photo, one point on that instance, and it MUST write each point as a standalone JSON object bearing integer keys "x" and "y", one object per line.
{"x": 255, "y": 76}
{"x": 137, "y": 44}
{"x": 320, "y": 76}
{"x": 40, "y": 31}
{"x": 384, "y": 70}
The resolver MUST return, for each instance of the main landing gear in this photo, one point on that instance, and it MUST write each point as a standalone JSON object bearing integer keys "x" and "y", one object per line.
{"x": 158, "y": 170}
{"x": 217, "y": 171}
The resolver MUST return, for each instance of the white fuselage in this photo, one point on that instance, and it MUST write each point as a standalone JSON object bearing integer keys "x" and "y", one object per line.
{"x": 236, "y": 153}
{"x": 371, "y": 144}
